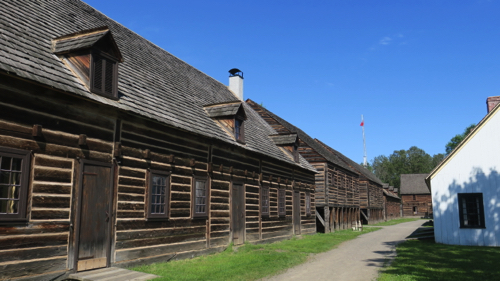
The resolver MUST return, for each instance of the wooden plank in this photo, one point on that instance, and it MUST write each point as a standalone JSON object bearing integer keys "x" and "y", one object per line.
{"x": 43, "y": 214}
{"x": 52, "y": 175}
{"x": 33, "y": 253}
{"x": 30, "y": 241}
{"x": 176, "y": 238}
{"x": 50, "y": 188}
{"x": 24, "y": 269}
{"x": 132, "y": 254}
{"x": 35, "y": 228}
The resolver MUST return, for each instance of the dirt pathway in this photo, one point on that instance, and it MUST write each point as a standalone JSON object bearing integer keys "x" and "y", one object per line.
{"x": 357, "y": 259}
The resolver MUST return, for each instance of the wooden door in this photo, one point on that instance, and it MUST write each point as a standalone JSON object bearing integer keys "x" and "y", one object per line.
{"x": 238, "y": 214}
{"x": 296, "y": 212}
{"x": 94, "y": 216}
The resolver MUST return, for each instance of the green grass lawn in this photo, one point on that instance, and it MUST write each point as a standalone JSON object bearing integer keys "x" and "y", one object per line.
{"x": 395, "y": 221}
{"x": 425, "y": 260}
{"x": 251, "y": 262}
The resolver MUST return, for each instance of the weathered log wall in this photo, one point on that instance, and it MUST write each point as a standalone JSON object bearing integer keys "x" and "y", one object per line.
{"x": 43, "y": 244}
{"x": 371, "y": 201}
{"x": 421, "y": 202}
{"x": 392, "y": 208}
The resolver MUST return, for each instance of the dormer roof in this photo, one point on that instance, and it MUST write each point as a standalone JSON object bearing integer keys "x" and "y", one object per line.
{"x": 225, "y": 109}
{"x": 284, "y": 139}
{"x": 100, "y": 38}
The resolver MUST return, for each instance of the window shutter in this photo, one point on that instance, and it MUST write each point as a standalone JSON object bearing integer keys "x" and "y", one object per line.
{"x": 239, "y": 129}
{"x": 97, "y": 74}
{"x": 104, "y": 76}
{"x": 108, "y": 77}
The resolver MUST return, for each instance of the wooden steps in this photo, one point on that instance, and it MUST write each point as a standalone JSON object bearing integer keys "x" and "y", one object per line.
{"x": 111, "y": 274}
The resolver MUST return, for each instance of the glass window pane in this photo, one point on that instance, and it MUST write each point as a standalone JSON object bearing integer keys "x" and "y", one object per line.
{"x": 5, "y": 165}
{"x": 15, "y": 178}
{"x": 12, "y": 207}
{"x": 3, "y": 206}
{"x": 9, "y": 206}
{"x": 4, "y": 191}
{"x": 14, "y": 192}
{"x": 16, "y": 164}
{"x": 4, "y": 177}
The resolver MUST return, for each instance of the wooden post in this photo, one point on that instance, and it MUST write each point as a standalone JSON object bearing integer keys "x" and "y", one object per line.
{"x": 341, "y": 218}
{"x": 37, "y": 131}
{"x": 82, "y": 140}
{"x": 332, "y": 220}
{"x": 326, "y": 211}
{"x": 146, "y": 154}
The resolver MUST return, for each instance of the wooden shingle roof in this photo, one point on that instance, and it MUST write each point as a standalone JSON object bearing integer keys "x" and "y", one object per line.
{"x": 305, "y": 138}
{"x": 73, "y": 43}
{"x": 223, "y": 110}
{"x": 148, "y": 76}
{"x": 414, "y": 184}
{"x": 360, "y": 169}
{"x": 284, "y": 139}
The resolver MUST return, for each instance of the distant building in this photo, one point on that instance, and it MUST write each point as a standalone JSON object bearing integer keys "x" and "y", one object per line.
{"x": 415, "y": 195}
{"x": 465, "y": 187}
{"x": 392, "y": 202}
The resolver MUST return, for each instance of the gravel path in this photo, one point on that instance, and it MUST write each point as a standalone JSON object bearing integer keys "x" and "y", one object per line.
{"x": 357, "y": 259}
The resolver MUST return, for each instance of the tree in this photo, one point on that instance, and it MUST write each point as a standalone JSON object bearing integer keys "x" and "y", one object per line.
{"x": 437, "y": 158}
{"x": 456, "y": 140}
{"x": 412, "y": 161}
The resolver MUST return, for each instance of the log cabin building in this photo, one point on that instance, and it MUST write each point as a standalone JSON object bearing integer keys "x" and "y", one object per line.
{"x": 415, "y": 196}
{"x": 392, "y": 202}
{"x": 371, "y": 201}
{"x": 337, "y": 184}
{"x": 113, "y": 152}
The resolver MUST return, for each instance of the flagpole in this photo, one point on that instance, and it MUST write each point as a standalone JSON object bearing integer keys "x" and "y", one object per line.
{"x": 365, "y": 163}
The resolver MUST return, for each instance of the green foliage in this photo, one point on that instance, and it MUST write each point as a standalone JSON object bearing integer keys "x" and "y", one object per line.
{"x": 456, "y": 140}
{"x": 411, "y": 161}
{"x": 437, "y": 158}
{"x": 251, "y": 262}
{"x": 368, "y": 166}
{"x": 426, "y": 260}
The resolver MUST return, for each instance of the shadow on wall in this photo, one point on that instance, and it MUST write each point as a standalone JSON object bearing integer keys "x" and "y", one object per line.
{"x": 446, "y": 211}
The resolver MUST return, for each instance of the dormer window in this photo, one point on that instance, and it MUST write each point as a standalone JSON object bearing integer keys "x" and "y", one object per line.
{"x": 239, "y": 132}
{"x": 104, "y": 75}
{"x": 93, "y": 56}
{"x": 288, "y": 143}
{"x": 231, "y": 116}
{"x": 295, "y": 152}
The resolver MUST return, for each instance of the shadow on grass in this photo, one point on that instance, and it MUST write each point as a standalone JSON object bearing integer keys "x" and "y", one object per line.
{"x": 426, "y": 260}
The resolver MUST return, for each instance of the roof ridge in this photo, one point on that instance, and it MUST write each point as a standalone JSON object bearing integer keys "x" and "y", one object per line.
{"x": 330, "y": 157}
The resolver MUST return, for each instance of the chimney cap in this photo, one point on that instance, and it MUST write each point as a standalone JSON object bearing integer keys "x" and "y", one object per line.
{"x": 235, "y": 72}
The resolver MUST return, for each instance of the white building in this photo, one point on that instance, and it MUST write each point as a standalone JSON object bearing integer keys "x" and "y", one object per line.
{"x": 465, "y": 187}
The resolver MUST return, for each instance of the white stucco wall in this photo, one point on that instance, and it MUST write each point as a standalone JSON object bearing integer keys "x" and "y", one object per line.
{"x": 475, "y": 168}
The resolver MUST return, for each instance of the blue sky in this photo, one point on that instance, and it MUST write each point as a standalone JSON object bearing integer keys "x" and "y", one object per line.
{"x": 419, "y": 71}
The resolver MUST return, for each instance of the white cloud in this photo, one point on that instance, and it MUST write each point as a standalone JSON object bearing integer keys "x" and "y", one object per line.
{"x": 385, "y": 41}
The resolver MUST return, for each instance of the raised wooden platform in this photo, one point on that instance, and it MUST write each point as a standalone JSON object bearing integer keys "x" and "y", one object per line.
{"x": 111, "y": 274}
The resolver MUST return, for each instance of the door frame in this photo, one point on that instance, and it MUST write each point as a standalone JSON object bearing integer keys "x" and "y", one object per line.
{"x": 232, "y": 222}
{"x": 76, "y": 212}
